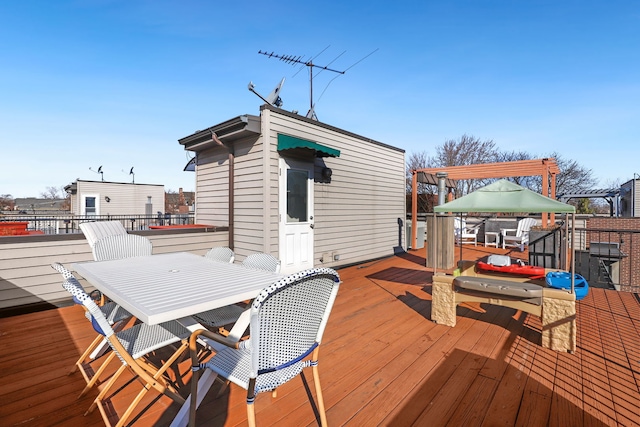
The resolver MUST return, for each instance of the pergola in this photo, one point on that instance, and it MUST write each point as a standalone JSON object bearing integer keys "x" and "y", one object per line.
{"x": 608, "y": 194}
{"x": 547, "y": 168}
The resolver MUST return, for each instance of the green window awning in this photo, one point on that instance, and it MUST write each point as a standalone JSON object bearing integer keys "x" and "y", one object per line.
{"x": 286, "y": 142}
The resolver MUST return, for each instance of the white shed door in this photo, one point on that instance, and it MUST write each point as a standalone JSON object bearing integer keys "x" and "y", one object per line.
{"x": 296, "y": 215}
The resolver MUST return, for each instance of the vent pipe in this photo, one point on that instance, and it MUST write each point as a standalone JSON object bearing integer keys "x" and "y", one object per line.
{"x": 442, "y": 189}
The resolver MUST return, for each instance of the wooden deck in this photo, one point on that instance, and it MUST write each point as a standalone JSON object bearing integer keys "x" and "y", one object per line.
{"x": 383, "y": 362}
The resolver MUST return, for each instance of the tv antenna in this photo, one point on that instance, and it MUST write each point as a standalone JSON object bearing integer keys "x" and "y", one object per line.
{"x": 133, "y": 179}
{"x": 273, "y": 98}
{"x": 99, "y": 171}
{"x": 292, "y": 59}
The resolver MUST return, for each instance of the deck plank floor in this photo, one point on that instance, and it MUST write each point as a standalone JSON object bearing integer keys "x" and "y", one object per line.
{"x": 383, "y": 362}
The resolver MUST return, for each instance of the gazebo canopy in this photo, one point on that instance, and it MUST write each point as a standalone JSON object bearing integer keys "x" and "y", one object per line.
{"x": 505, "y": 196}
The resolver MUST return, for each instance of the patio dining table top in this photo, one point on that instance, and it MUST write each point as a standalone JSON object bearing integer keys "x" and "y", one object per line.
{"x": 164, "y": 287}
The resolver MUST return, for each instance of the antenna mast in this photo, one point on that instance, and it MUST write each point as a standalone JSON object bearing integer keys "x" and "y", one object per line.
{"x": 292, "y": 59}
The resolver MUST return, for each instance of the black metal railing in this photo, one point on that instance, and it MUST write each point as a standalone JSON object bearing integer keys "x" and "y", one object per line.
{"x": 607, "y": 258}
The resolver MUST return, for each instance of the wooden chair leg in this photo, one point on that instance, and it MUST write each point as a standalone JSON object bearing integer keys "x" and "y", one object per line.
{"x": 97, "y": 374}
{"x": 86, "y": 353}
{"x": 251, "y": 415}
{"x": 98, "y": 400}
{"x": 316, "y": 380}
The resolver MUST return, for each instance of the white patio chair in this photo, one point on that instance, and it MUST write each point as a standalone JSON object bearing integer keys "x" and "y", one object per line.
{"x": 121, "y": 246}
{"x": 221, "y": 254}
{"x": 131, "y": 346}
{"x": 95, "y": 230}
{"x": 114, "y": 315}
{"x": 518, "y": 237}
{"x": 262, "y": 261}
{"x": 288, "y": 319}
{"x": 464, "y": 234}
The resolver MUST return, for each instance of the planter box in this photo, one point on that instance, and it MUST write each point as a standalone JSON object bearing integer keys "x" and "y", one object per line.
{"x": 13, "y": 228}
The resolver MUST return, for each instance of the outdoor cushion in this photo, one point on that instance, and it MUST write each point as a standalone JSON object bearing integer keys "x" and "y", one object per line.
{"x": 501, "y": 287}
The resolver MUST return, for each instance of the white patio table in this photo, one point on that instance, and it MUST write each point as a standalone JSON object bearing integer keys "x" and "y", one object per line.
{"x": 175, "y": 286}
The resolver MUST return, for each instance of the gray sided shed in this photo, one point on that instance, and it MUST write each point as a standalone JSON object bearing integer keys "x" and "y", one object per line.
{"x": 247, "y": 175}
{"x": 630, "y": 199}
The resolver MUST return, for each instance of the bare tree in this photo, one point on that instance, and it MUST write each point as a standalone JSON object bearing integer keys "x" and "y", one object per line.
{"x": 6, "y": 202}
{"x": 573, "y": 177}
{"x": 514, "y": 156}
{"x": 425, "y": 191}
{"x": 467, "y": 150}
{"x": 53, "y": 193}
{"x": 613, "y": 183}
{"x": 415, "y": 161}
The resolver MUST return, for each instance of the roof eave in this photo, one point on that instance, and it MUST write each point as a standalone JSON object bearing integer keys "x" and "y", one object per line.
{"x": 229, "y": 131}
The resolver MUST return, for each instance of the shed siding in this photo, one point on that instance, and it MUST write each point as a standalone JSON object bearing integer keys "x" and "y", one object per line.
{"x": 212, "y": 205}
{"x": 212, "y": 191}
{"x": 358, "y": 212}
{"x": 256, "y": 195}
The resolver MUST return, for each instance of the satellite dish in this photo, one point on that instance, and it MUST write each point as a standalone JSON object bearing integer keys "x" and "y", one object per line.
{"x": 273, "y": 98}
{"x": 99, "y": 171}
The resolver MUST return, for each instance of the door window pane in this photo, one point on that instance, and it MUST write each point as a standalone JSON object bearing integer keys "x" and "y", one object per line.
{"x": 297, "y": 195}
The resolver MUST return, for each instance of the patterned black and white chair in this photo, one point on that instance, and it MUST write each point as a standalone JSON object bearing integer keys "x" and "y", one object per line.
{"x": 288, "y": 319}
{"x": 220, "y": 317}
{"x": 114, "y": 314}
{"x": 132, "y": 345}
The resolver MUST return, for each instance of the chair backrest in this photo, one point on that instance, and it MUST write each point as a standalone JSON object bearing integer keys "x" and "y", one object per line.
{"x": 74, "y": 288}
{"x": 121, "y": 246}
{"x": 221, "y": 254}
{"x": 95, "y": 230}
{"x": 96, "y": 317}
{"x": 66, "y": 274}
{"x": 288, "y": 318}
{"x": 94, "y": 314}
{"x": 524, "y": 225}
{"x": 459, "y": 225}
{"x": 262, "y": 261}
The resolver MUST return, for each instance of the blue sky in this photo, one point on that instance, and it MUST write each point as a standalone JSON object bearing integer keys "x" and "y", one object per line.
{"x": 116, "y": 83}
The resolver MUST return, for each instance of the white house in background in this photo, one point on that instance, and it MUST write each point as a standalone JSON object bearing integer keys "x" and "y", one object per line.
{"x": 90, "y": 198}
{"x": 304, "y": 191}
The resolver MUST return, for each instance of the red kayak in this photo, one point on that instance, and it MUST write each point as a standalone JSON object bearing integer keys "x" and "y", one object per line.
{"x": 532, "y": 271}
